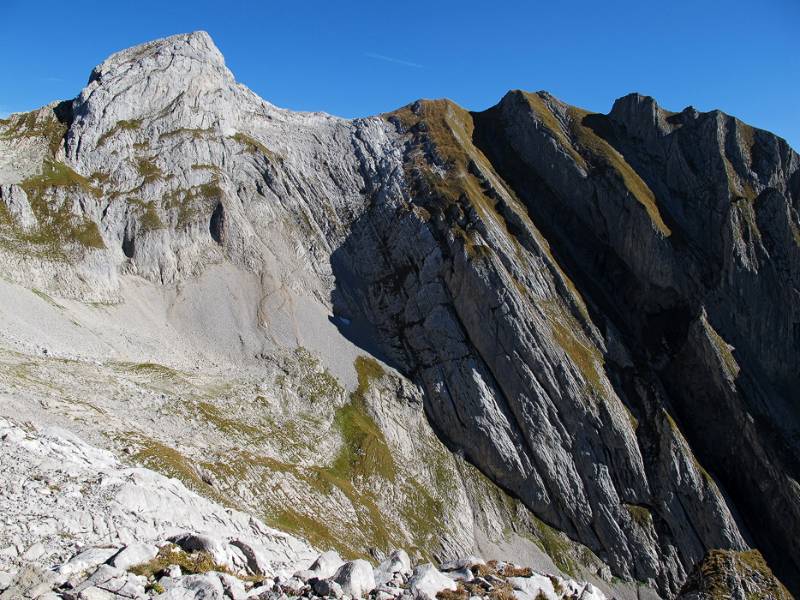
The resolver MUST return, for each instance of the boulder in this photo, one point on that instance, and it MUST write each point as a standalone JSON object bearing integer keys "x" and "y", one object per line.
{"x": 392, "y": 590}
{"x": 356, "y": 578}
{"x": 233, "y": 587}
{"x": 535, "y": 587}
{"x": 397, "y": 562}
{"x": 590, "y": 592}
{"x": 327, "y": 564}
{"x": 174, "y": 571}
{"x": 105, "y": 580}
{"x": 294, "y": 585}
{"x": 466, "y": 562}
{"x": 135, "y": 554}
{"x": 326, "y": 587}
{"x": 260, "y": 590}
{"x": 305, "y": 575}
{"x": 427, "y": 581}
{"x": 223, "y": 553}
{"x": 88, "y": 559}
{"x": 257, "y": 561}
{"x": 206, "y": 586}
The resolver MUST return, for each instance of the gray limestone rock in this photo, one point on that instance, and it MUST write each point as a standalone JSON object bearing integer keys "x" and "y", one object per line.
{"x": 355, "y": 578}
{"x": 599, "y": 312}
{"x": 326, "y": 564}
{"x": 135, "y": 554}
{"x": 427, "y": 581}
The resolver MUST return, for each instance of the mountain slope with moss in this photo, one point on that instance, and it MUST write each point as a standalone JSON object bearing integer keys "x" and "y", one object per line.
{"x": 531, "y": 329}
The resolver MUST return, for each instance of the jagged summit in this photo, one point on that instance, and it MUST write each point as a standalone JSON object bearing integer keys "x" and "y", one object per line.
{"x": 197, "y": 46}
{"x": 183, "y": 77}
{"x": 463, "y": 332}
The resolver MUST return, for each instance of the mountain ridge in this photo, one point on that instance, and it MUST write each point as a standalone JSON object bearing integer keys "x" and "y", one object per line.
{"x": 551, "y": 364}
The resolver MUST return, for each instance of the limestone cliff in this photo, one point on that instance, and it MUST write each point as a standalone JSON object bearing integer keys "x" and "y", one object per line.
{"x": 598, "y": 312}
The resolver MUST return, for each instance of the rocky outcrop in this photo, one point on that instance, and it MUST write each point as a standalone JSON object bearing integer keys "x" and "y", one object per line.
{"x": 735, "y": 575}
{"x": 597, "y": 311}
{"x": 79, "y": 525}
{"x": 61, "y": 495}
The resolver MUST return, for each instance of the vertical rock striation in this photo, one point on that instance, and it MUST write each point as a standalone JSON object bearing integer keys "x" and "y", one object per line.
{"x": 601, "y": 310}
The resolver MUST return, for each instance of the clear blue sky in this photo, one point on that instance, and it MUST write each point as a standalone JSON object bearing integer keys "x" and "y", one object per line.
{"x": 362, "y": 58}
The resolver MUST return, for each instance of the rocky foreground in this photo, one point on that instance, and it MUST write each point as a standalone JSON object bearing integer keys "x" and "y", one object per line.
{"x": 78, "y": 525}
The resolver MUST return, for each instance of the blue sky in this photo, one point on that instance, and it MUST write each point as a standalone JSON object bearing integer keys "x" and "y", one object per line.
{"x": 361, "y": 58}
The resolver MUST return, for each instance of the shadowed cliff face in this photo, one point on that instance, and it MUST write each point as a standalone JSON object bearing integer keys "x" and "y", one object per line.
{"x": 600, "y": 311}
{"x": 708, "y": 307}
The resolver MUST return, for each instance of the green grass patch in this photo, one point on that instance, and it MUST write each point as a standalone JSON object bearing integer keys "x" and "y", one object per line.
{"x": 170, "y": 554}
{"x": 148, "y": 169}
{"x": 568, "y": 334}
{"x": 206, "y": 167}
{"x": 212, "y": 414}
{"x": 194, "y": 203}
{"x": 195, "y": 134}
{"x": 557, "y": 546}
{"x": 308, "y": 527}
{"x": 640, "y": 515}
{"x": 58, "y": 226}
{"x": 36, "y": 124}
{"x": 364, "y": 451}
{"x": 253, "y": 146}
{"x": 148, "y": 215}
{"x": 123, "y": 125}
{"x": 168, "y": 461}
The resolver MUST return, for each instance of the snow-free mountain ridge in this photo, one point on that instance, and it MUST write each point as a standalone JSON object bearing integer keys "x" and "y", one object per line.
{"x": 533, "y": 333}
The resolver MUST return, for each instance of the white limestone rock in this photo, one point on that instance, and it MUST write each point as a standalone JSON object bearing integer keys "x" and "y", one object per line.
{"x": 86, "y": 560}
{"x": 206, "y": 586}
{"x": 135, "y": 554}
{"x": 327, "y": 564}
{"x": 465, "y": 562}
{"x": 426, "y": 581}
{"x": 356, "y": 578}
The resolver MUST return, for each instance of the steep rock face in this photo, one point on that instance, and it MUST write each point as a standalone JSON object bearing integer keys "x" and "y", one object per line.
{"x": 599, "y": 310}
{"x": 232, "y": 208}
{"x": 704, "y": 294}
{"x": 481, "y": 312}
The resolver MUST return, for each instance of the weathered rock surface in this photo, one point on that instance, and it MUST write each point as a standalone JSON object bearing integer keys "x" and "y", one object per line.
{"x": 735, "y": 575}
{"x": 598, "y": 311}
{"x": 356, "y": 578}
{"x": 427, "y": 581}
{"x": 60, "y": 494}
{"x": 105, "y": 548}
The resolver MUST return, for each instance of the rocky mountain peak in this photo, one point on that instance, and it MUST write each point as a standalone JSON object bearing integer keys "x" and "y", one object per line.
{"x": 183, "y": 77}
{"x": 640, "y": 115}
{"x": 196, "y": 46}
{"x": 588, "y": 322}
